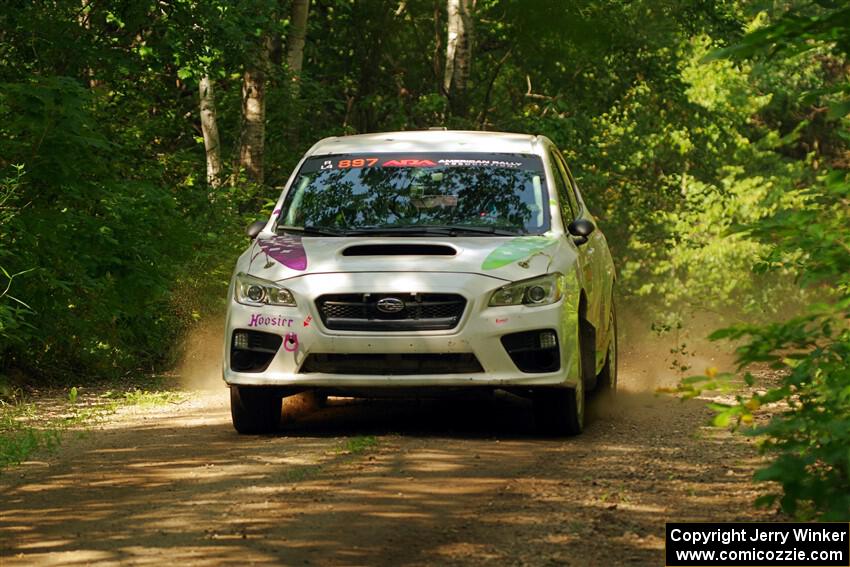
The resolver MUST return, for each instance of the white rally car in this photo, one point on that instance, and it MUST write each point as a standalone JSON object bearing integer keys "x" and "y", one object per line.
{"x": 424, "y": 263}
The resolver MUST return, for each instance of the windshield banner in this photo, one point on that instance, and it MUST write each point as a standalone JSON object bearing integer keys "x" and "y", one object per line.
{"x": 420, "y": 160}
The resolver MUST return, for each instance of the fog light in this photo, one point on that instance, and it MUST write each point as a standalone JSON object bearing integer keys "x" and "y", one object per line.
{"x": 240, "y": 340}
{"x": 548, "y": 339}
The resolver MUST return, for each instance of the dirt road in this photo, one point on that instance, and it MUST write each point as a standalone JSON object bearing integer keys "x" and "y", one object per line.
{"x": 376, "y": 483}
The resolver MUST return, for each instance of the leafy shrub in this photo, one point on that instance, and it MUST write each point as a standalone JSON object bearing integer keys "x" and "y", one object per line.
{"x": 810, "y": 437}
{"x": 116, "y": 252}
{"x": 13, "y": 311}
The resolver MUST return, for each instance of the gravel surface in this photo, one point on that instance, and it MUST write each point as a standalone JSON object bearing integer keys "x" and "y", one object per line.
{"x": 389, "y": 482}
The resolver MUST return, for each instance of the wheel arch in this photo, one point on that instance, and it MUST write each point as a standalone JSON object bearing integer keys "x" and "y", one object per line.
{"x": 586, "y": 343}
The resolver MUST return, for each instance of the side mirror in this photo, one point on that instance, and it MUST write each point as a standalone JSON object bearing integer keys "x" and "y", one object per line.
{"x": 255, "y": 228}
{"x": 581, "y": 229}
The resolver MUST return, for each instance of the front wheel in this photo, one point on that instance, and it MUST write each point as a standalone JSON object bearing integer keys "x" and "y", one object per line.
{"x": 560, "y": 411}
{"x": 255, "y": 409}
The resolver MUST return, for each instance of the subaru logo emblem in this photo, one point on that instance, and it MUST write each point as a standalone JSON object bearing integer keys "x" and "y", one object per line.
{"x": 390, "y": 305}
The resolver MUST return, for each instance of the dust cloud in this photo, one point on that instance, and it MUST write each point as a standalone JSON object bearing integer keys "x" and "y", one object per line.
{"x": 649, "y": 361}
{"x": 647, "y": 364}
{"x": 200, "y": 368}
{"x": 200, "y": 365}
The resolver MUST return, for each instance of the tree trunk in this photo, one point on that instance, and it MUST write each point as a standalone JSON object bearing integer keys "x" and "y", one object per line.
{"x": 84, "y": 17}
{"x": 209, "y": 126}
{"x": 296, "y": 40}
{"x": 458, "y": 53}
{"x": 295, "y": 61}
{"x": 253, "y": 138}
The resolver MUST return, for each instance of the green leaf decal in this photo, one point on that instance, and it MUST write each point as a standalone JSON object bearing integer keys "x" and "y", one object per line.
{"x": 516, "y": 249}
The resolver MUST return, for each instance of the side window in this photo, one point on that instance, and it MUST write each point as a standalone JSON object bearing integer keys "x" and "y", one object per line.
{"x": 561, "y": 186}
{"x": 571, "y": 184}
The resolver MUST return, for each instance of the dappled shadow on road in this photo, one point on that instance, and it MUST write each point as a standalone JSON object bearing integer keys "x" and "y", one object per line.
{"x": 377, "y": 482}
{"x": 500, "y": 415}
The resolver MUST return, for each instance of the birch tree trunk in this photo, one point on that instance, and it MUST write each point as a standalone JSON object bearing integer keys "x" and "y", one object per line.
{"x": 209, "y": 127}
{"x": 458, "y": 53}
{"x": 253, "y": 135}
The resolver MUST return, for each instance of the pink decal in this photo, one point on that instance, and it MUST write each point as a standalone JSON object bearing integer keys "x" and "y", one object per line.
{"x": 258, "y": 319}
{"x": 287, "y": 250}
{"x": 408, "y": 163}
{"x": 500, "y": 321}
{"x": 276, "y": 212}
{"x": 307, "y": 320}
{"x": 290, "y": 343}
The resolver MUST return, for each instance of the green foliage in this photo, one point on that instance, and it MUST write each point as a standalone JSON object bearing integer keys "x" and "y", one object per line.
{"x": 809, "y": 437}
{"x": 17, "y": 439}
{"x": 359, "y": 444}
{"x": 807, "y": 434}
{"x": 94, "y": 237}
{"x": 795, "y": 33}
{"x": 28, "y": 427}
{"x": 13, "y": 311}
{"x": 138, "y": 397}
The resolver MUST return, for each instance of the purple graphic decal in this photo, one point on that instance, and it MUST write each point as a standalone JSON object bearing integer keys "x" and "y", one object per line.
{"x": 258, "y": 320}
{"x": 287, "y": 250}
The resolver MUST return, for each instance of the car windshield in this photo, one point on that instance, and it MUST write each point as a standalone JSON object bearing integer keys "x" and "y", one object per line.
{"x": 469, "y": 193}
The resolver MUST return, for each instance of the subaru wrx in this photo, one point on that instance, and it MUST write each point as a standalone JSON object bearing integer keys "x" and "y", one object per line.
{"x": 419, "y": 263}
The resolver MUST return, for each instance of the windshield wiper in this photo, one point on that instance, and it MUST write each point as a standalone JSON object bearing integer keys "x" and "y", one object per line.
{"x": 442, "y": 230}
{"x": 485, "y": 230}
{"x": 311, "y": 230}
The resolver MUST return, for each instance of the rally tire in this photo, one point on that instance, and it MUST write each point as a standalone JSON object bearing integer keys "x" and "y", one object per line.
{"x": 255, "y": 410}
{"x": 559, "y": 411}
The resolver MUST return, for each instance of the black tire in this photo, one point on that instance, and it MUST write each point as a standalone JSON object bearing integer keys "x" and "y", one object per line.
{"x": 255, "y": 409}
{"x": 559, "y": 411}
{"x": 606, "y": 380}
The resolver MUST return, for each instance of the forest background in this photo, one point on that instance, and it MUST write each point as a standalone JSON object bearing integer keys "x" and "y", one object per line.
{"x": 139, "y": 138}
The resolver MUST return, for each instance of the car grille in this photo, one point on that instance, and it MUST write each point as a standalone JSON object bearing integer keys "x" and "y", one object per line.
{"x": 418, "y": 311}
{"x": 392, "y": 364}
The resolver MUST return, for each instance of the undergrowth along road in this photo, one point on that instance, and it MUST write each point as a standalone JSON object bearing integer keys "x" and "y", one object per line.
{"x": 29, "y": 424}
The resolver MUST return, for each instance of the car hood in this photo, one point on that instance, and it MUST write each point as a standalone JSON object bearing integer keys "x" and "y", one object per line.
{"x": 279, "y": 258}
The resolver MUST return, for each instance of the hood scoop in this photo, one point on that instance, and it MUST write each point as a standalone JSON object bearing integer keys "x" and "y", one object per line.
{"x": 399, "y": 250}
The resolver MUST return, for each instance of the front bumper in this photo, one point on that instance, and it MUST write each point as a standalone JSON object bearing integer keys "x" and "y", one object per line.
{"x": 478, "y": 332}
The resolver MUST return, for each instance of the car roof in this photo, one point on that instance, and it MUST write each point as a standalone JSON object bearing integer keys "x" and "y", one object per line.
{"x": 429, "y": 141}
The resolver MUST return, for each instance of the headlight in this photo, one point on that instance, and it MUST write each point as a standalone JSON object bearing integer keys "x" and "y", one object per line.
{"x": 537, "y": 291}
{"x": 257, "y": 291}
